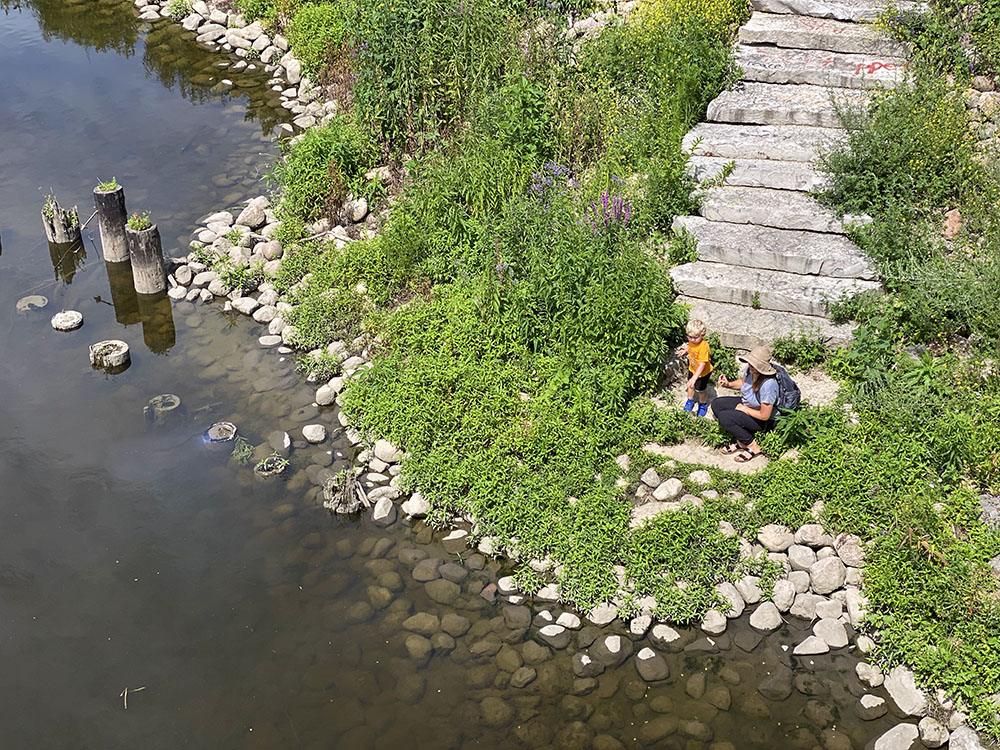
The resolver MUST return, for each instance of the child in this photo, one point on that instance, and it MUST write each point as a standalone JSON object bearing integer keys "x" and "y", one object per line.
{"x": 697, "y": 352}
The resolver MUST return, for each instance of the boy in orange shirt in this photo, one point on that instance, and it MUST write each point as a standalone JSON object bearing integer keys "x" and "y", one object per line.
{"x": 699, "y": 365}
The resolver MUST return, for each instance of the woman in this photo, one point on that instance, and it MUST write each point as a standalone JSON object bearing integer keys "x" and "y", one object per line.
{"x": 752, "y": 411}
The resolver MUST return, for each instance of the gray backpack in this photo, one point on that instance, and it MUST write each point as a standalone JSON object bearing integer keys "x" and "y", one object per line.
{"x": 789, "y": 395}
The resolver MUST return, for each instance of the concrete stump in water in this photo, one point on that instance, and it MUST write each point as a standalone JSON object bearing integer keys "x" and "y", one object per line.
{"x": 161, "y": 408}
{"x": 111, "y": 216}
{"x": 221, "y": 432}
{"x": 146, "y": 253}
{"x": 111, "y": 355}
{"x": 67, "y": 320}
{"x": 62, "y": 226}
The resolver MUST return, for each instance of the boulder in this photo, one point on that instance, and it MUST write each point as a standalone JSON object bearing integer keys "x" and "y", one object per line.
{"x": 668, "y": 490}
{"x": 775, "y": 538}
{"x": 714, "y": 622}
{"x": 932, "y": 732}
{"x": 766, "y": 618}
{"x": 870, "y": 675}
{"x": 832, "y": 632}
{"x": 783, "y": 595}
{"x": 810, "y": 646}
{"x": 555, "y": 635}
{"x": 964, "y": 738}
{"x": 384, "y": 512}
{"x": 827, "y": 575}
{"x": 902, "y": 688}
{"x": 729, "y": 593}
{"x": 585, "y": 666}
{"x": 651, "y": 666}
{"x": 900, "y": 737}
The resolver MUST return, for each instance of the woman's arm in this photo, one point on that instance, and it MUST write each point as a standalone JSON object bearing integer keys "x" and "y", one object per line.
{"x": 763, "y": 413}
{"x": 727, "y": 383}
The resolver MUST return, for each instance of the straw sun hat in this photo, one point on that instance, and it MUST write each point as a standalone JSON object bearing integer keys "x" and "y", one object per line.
{"x": 759, "y": 359}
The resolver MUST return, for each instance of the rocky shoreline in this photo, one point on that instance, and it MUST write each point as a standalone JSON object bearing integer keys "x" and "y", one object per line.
{"x": 823, "y": 574}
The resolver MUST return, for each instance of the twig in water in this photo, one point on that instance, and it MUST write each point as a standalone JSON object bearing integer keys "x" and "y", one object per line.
{"x": 124, "y": 695}
{"x": 84, "y": 225}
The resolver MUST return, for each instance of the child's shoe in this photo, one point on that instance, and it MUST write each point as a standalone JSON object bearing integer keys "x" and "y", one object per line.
{"x": 702, "y": 410}
{"x": 689, "y": 404}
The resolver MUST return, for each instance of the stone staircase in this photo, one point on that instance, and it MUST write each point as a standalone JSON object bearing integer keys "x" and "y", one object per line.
{"x": 770, "y": 258}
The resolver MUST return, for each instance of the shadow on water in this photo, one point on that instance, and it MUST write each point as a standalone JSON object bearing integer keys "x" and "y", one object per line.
{"x": 67, "y": 258}
{"x": 158, "y": 330}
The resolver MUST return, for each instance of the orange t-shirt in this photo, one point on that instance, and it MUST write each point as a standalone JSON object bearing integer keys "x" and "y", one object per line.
{"x": 698, "y": 353}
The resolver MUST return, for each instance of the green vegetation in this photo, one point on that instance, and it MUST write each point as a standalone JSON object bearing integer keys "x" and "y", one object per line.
{"x": 108, "y": 186}
{"x": 317, "y": 34}
{"x": 178, "y": 9}
{"x": 242, "y": 450}
{"x": 803, "y": 350}
{"x": 139, "y": 222}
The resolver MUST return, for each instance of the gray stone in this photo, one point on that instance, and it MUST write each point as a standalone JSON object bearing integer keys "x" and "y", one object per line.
{"x": 766, "y": 618}
{"x": 805, "y": 66}
{"x": 495, "y": 712}
{"x": 763, "y": 173}
{"x": 964, "y": 738}
{"x": 611, "y": 650}
{"x": 555, "y": 635}
{"x": 656, "y": 729}
{"x": 650, "y": 478}
{"x": 783, "y": 595}
{"x": 427, "y": 569}
{"x": 840, "y": 10}
{"x": 801, "y": 557}
{"x": 314, "y": 433}
{"x": 827, "y": 575}
{"x": 850, "y": 549}
{"x": 419, "y": 649}
{"x": 812, "y": 534}
{"x": 804, "y": 606}
{"x": 778, "y": 686}
{"x": 775, "y": 538}
{"x": 651, "y": 666}
{"x": 932, "y": 732}
{"x": 455, "y": 625}
{"x": 870, "y": 675}
{"x": 253, "y": 215}
{"x": 585, "y": 666}
{"x": 384, "y": 512}
{"x": 714, "y": 622}
{"x": 729, "y": 593}
{"x": 442, "y": 591}
{"x": 900, "y": 737}
{"x": 799, "y": 580}
{"x": 797, "y": 32}
{"x": 775, "y": 104}
{"x": 902, "y": 688}
{"x": 602, "y": 614}
{"x": 386, "y": 451}
{"x": 700, "y": 476}
{"x": 772, "y": 290}
{"x": 522, "y": 677}
{"x": 811, "y": 645}
{"x": 832, "y": 632}
{"x": 665, "y": 637}
{"x": 293, "y": 70}
{"x": 749, "y": 589}
{"x": 829, "y": 609}
{"x": 422, "y": 623}
{"x": 783, "y": 143}
{"x": 516, "y": 617}
{"x": 668, "y": 490}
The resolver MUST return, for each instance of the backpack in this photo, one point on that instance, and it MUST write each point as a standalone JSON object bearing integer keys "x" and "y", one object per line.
{"x": 789, "y": 394}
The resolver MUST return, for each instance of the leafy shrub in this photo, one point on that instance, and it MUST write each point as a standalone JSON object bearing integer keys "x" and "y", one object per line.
{"x": 316, "y": 32}
{"x": 139, "y": 222}
{"x": 178, "y": 9}
{"x": 108, "y": 185}
{"x": 803, "y": 349}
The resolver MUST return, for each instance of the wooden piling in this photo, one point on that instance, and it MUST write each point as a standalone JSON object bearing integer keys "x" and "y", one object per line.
{"x": 146, "y": 254}
{"x": 62, "y": 225}
{"x": 110, "y": 205}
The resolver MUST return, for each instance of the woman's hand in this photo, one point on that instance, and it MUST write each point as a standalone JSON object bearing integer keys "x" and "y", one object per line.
{"x": 743, "y": 408}
{"x": 723, "y": 380}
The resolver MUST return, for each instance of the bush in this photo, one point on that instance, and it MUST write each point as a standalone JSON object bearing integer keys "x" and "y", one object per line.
{"x": 804, "y": 349}
{"x": 317, "y": 32}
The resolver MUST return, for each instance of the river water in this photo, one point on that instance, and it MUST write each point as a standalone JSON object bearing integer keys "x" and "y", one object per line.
{"x": 156, "y": 594}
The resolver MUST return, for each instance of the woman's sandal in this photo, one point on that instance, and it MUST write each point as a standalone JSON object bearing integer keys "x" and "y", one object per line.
{"x": 746, "y": 455}
{"x": 732, "y": 448}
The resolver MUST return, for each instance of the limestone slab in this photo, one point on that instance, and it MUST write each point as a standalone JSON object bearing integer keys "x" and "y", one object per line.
{"x": 841, "y": 10}
{"x": 777, "y": 249}
{"x": 769, "y": 290}
{"x": 768, "y": 64}
{"x": 780, "y": 104}
{"x": 782, "y": 209}
{"x": 784, "y": 143}
{"x": 803, "y": 32}
{"x": 742, "y": 327}
{"x": 767, "y": 173}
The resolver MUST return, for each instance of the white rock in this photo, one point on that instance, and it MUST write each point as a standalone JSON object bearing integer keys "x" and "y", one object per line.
{"x": 246, "y": 305}
{"x": 506, "y": 585}
{"x": 871, "y": 707}
{"x": 293, "y": 70}
{"x": 701, "y": 477}
{"x": 902, "y": 688}
{"x": 829, "y": 608}
{"x": 857, "y": 606}
{"x": 602, "y": 614}
{"x": 417, "y": 506}
{"x": 314, "y": 433}
{"x": 325, "y": 395}
{"x": 651, "y": 666}
{"x": 775, "y": 538}
{"x": 67, "y": 320}
{"x": 801, "y": 557}
{"x": 650, "y": 478}
{"x": 386, "y": 451}
{"x": 932, "y": 732}
{"x": 870, "y": 675}
{"x": 766, "y": 618}
{"x": 569, "y": 621}
{"x": 784, "y": 594}
{"x": 749, "y": 589}
{"x": 900, "y": 737}
{"x": 811, "y": 645}
{"x": 833, "y": 632}
{"x": 384, "y": 512}
{"x": 639, "y": 626}
{"x": 827, "y": 575}
{"x": 714, "y": 622}
{"x": 665, "y": 637}
{"x": 850, "y": 549}
{"x": 668, "y": 490}
{"x": 728, "y": 592}
{"x": 964, "y": 738}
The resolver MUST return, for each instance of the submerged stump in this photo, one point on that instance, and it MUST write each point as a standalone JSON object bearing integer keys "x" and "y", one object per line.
{"x": 62, "y": 225}
{"x": 146, "y": 254}
{"x": 110, "y": 205}
{"x": 111, "y": 355}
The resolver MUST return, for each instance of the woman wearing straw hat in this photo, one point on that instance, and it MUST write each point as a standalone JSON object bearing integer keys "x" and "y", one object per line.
{"x": 749, "y": 413}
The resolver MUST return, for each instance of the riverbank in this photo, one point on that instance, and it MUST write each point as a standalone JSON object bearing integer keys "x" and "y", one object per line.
{"x": 507, "y": 533}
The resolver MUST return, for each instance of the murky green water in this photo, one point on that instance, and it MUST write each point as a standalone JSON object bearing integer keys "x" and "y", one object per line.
{"x": 236, "y": 611}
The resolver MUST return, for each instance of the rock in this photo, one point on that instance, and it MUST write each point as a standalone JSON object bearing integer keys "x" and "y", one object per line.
{"x": 697, "y": 730}
{"x": 508, "y": 659}
{"x": 830, "y": 609}
{"x": 495, "y": 712}
{"x": 569, "y": 620}
{"x": 832, "y": 632}
{"x": 650, "y": 478}
{"x": 849, "y": 548}
{"x": 668, "y": 490}
{"x": 749, "y": 589}
{"x": 870, "y": 675}
{"x": 812, "y": 535}
{"x": 827, "y": 575}
{"x": 778, "y": 686}
{"x": 728, "y": 592}
{"x": 932, "y": 732}
{"x": 386, "y": 451}
{"x": 902, "y": 688}
{"x": 766, "y": 618}
{"x": 517, "y": 618}
{"x": 695, "y": 685}
{"x": 67, "y": 320}
{"x": 384, "y": 512}
{"x": 245, "y": 305}
{"x": 775, "y": 538}
{"x": 665, "y": 637}
{"x": 714, "y": 622}
{"x": 800, "y": 580}
{"x": 314, "y": 433}
{"x": 857, "y": 606}
{"x": 811, "y": 645}
{"x": 611, "y": 650}
{"x": 427, "y": 569}
{"x": 523, "y": 677}
{"x": 419, "y": 649}
{"x": 639, "y": 626}
{"x": 720, "y": 697}
{"x": 801, "y": 557}
{"x": 651, "y": 666}
{"x": 555, "y": 635}
{"x": 325, "y": 395}
{"x": 804, "y": 606}
{"x": 422, "y": 623}
{"x": 602, "y": 614}
{"x": 417, "y": 506}
{"x": 293, "y": 69}
{"x": 952, "y": 224}
{"x": 442, "y": 591}
{"x": 656, "y": 729}
{"x": 783, "y": 595}
{"x": 701, "y": 477}
{"x": 585, "y": 666}
{"x": 964, "y": 738}
{"x": 356, "y": 210}
{"x": 900, "y": 737}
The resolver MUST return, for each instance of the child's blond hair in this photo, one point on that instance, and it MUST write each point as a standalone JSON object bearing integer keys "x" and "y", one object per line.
{"x": 696, "y": 328}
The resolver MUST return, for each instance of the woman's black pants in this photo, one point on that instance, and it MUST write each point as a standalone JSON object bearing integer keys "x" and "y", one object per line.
{"x": 737, "y": 423}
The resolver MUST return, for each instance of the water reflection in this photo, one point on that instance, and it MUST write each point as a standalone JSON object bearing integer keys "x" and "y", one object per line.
{"x": 67, "y": 258}
{"x": 158, "y": 331}
{"x": 123, "y": 292}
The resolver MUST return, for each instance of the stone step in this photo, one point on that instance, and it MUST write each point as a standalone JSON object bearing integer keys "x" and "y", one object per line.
{"x": 783, "y": 142}
{"x": 745, "y": 328}
{"x": 840, "y": 10}
{"x": 782, "y": 209}
{"x": 819, "y": 68}
{"x": 776, "y": 249}
{"x": 767, "y": 173}
{"x": 802, "y": 32}
{"x": 764, "y": 289}
{"x": 779, "y": 104}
